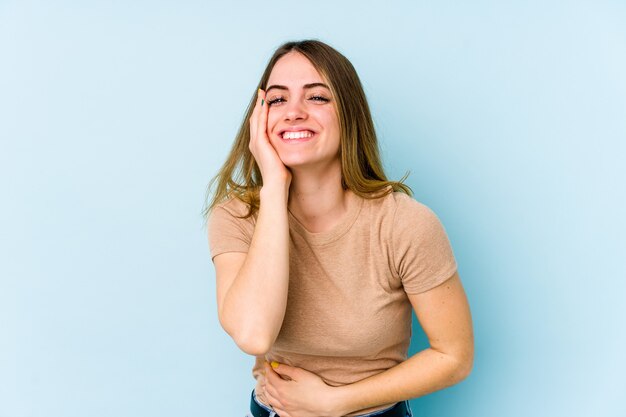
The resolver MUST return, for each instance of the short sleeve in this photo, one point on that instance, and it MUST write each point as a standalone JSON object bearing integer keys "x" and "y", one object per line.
{"x": 422, "y": 253}
{"x": 228, "y": 231}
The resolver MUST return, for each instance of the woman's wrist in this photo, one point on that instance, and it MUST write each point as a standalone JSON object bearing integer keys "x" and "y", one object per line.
{"x": 275, "y": 191}
{"x": 342, "y": 401}
{"x": 338, "y": 402}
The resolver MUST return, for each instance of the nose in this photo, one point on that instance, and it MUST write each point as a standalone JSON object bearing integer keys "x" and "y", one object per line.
{"x": 295, "y": 111}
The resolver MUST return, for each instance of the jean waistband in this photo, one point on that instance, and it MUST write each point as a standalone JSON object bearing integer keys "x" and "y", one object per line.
{"x": 401, "y": 409}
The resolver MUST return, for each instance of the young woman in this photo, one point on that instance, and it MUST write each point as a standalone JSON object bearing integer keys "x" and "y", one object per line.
{"x": 320, "y": 258}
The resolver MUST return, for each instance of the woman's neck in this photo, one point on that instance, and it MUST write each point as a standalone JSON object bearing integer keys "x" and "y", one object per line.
{"x": 318, "y": 201}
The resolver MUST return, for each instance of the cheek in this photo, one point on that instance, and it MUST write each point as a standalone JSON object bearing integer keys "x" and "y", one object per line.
{"x": 272, "y": 119}
{"x": 332, "y": 125}
{"x": 329, "y": 119}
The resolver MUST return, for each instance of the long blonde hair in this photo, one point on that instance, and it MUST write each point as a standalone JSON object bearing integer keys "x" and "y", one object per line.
{"x": 362, "y": 170}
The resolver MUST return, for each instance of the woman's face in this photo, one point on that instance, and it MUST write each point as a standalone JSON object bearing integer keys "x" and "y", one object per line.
{"x": 302, "y": 121}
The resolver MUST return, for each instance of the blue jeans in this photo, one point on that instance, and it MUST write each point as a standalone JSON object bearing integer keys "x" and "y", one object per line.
{"x": 409, "y": 413}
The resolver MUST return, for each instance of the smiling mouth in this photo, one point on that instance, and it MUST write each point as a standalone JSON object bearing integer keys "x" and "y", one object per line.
{"x": 297, "y": 135}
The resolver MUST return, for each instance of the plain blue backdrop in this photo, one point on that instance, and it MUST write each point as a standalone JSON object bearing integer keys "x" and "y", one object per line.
{"x": 511, "y": 117}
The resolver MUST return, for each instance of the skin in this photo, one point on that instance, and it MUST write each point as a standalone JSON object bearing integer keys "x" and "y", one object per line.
{"x": 316, "y": 197}
{"x": 305, "y": 176}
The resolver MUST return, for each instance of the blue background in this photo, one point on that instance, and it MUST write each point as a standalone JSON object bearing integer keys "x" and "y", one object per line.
{"x": 511, "y": 117}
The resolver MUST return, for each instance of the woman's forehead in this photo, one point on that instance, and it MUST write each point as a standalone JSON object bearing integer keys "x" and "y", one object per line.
{"x": 294, "y": 70}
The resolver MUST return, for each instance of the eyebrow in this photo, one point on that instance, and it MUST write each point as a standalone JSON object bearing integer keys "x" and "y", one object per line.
{"x": 311, "y": 85}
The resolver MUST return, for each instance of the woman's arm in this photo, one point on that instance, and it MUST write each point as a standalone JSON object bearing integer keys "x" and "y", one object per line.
{"x": 252, "y": 287}
{"x": 445, "y": 317}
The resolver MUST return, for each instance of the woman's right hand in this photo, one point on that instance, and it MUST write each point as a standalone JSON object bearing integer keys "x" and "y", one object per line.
{"x": 272, "y": 168}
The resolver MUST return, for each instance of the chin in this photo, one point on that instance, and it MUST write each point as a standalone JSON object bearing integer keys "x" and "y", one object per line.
{"x": 307, "y": 158}
{"x": 295, "y": 163}
{"x": 301, "y": 163}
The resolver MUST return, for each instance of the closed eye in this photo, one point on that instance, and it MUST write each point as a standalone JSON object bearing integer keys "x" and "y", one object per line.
{"x": 275, "y": 100}
{"x": 319, "y": 98}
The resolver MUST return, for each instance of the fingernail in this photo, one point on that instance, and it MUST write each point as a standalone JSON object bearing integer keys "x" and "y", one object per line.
{"x": 262, "y": 101}
{"x": 274, "y": 364}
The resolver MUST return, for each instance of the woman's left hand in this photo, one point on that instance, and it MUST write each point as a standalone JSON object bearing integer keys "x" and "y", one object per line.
{"x": 300, "y": 394}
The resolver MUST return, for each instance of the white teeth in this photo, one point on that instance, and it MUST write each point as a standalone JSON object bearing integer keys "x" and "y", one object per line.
{"x": 298, "y": 135}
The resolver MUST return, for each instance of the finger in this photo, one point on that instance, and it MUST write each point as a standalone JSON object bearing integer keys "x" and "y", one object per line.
{"x": 272, "y": 393}
{"x": 285, "y": 371}
{"x": 255, "y": 116}
{"x": 273, "y": 400}
{"x": 268, "y": 372}
{"x": 281, "y": 412}
{"x": 262, "y": 116}
{"x": 271, "y": 375}
{"x": 279, "y": 409}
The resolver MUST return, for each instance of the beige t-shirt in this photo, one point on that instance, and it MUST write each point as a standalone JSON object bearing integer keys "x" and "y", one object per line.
{"x": 348, "y": 316}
